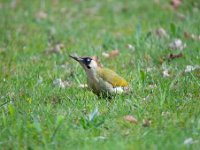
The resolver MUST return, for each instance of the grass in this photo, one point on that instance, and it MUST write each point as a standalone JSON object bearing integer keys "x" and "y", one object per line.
{"x": 35, "y": 114}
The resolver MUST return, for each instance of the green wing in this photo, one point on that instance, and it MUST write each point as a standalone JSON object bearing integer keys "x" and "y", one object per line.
{"x": 112, "y": 77}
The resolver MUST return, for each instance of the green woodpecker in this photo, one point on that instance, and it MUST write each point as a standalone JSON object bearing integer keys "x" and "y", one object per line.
{"x": 102, "y": 81}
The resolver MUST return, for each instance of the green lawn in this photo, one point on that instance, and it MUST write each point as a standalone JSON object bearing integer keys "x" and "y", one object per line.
{"x": 36, "y": 114}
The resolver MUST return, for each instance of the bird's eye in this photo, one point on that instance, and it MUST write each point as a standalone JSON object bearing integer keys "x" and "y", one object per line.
{"x": 88, "y": 60}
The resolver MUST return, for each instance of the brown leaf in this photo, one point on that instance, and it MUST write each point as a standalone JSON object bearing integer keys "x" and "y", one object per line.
{"x": 146, "y": 122}
{"x": 175, "y": 3}
{"x": 170, "y": 57}
{"x": 177, "y": 44}
{"x": 130, "y": 119}
{"x": 173, "y": 56}
{"x": 160, "y": 32}
{"x": 187, "y": 35}
{"x": 114, "y": 53}
{"x": 111, "y": 54}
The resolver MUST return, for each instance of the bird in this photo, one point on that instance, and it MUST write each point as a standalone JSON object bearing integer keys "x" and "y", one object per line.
{"x": 102, "y": 81}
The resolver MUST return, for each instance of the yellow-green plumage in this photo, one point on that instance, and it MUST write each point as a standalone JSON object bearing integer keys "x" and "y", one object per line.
{"x": 102, "y": 81}
{"x": 112, "y": 77}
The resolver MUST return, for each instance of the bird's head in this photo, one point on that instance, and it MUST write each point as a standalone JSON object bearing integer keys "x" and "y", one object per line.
{"x": 87, "y": 63}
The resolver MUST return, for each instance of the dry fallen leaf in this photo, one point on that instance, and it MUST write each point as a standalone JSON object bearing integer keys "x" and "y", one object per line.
{"x": 160, "y": 32}
{"x": 114, "y": 53}
{"x": 111, "y": 54}
{"x": 173, "y": 56}
{"x": 166, "y": 73}
{"x": 176, "y": 3}
{"x": 192, "y": 36}
{"x": 190, "y": 68}
{"x": 146, "y": 122}
{"x": 130, "y": 119}
{"x": 170, "y": 57}
{"x": 177, "y": 44}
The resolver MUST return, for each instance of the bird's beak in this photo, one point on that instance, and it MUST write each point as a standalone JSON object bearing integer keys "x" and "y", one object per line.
{"x": 79, "y": 59}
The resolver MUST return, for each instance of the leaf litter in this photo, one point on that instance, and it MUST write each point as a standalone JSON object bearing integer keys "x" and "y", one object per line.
{"x": 146, "y": 122}
{"x": 173, "y": 56}
{"x": 111, "y": 54}
{"x": 166, "y": 73}
{"x": 190, "y": 68}
{"x": 176, "y": 3}
{"x": 130, "y": 119}
{"x": 191, "y": 36}
{"x": 161, "y": 33}
{"x": 177, "y": 44}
